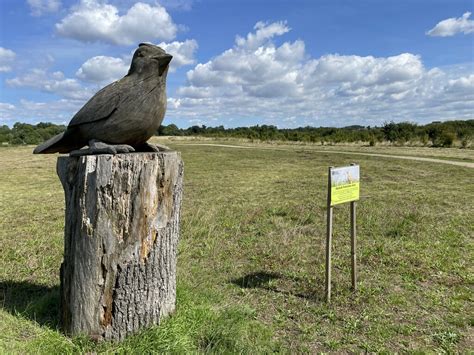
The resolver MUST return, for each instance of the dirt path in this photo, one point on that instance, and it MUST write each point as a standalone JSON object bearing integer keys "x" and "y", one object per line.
{"x": 406, "y": 157}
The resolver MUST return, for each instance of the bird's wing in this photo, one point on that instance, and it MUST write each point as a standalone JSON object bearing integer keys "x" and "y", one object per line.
{"x": 101, "y": 106}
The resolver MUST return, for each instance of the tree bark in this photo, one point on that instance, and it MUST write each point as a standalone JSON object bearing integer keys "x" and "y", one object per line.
{"x": 120, "y": 241}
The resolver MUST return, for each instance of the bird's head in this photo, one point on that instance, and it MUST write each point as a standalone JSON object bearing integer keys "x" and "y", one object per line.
{"x": 149, "y": 58}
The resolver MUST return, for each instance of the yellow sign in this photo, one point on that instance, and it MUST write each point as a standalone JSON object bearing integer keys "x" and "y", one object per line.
{"x": 345, "y": 184}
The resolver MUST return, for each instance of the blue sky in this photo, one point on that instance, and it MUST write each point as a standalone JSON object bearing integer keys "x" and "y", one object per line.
{"x": 237, "y": 63}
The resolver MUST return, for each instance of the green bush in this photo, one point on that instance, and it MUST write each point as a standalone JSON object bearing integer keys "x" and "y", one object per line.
{"x": 465, "y": 142}
{"x": 441, "y": 136}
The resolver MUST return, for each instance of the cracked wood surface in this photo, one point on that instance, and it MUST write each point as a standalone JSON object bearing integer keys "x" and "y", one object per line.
{"x": 120, "y": 243}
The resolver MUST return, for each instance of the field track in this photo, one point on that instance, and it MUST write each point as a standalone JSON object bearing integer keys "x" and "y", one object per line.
{"x": 406, "y": 157}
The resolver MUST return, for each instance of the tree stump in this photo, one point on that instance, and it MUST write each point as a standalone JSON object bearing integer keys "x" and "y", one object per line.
{"x": 120, "y": 242}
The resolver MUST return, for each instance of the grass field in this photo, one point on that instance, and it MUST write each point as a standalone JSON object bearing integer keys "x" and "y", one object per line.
{"x": 251, "y": 255}
{"x": 455, "y": 154}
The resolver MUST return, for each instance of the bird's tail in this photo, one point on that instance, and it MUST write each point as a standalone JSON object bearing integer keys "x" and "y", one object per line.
{"x": 57, "y": 144}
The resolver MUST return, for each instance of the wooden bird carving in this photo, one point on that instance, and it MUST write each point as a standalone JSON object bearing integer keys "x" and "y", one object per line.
{"x": 122, "y": 116}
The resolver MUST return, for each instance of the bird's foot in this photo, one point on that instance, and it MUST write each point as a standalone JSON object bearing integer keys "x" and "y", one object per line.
{"x": 149, "y": 147}
{"x": 98, "y": 147}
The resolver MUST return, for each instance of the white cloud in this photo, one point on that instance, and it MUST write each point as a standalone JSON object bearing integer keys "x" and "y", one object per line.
{"x": 103, "y": 70}
{"x": 283, "y": 85}
{"x": 452, "y": 26}
{"x": 182, "y": 52}
{"x": 184, "y": 5}
{"x": 27, "y": 111}
{"x": 264, "y": 31}
{"x": 39, "y": 7}
{"x": 462, "y": 85}
{"x": 7, "y": 57}
{"x": 6, "y": 106}
{"x": 94, "y": 20}
{"x": 7, "y": 112}
{"x": 54, "y": 83}
{"x": 365, "y": 71}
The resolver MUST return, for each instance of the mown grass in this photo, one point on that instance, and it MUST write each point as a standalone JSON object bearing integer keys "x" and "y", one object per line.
{"x": 251, "y": 257}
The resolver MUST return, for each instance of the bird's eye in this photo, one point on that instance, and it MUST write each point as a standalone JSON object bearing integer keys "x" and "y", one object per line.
{"x": 140, "y": 54}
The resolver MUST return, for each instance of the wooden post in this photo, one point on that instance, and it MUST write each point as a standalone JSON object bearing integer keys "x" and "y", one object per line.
{"x": 120, "y": 241}
{"x": 353, "y": 245}
{"x": 328, "y": 240}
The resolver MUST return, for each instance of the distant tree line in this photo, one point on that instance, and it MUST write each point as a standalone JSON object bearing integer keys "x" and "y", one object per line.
{"x": 24, "y": 133}
{"x": 436, "y": 134}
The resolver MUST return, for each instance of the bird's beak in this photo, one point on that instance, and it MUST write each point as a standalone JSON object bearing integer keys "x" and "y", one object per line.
{"x": 164, "y": 61}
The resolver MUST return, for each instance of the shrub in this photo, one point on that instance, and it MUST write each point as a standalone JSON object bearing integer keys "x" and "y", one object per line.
{"x": 442, "y": 138}
{"x": 465, "y": 142}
